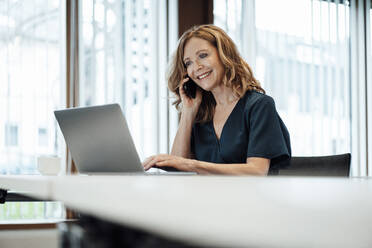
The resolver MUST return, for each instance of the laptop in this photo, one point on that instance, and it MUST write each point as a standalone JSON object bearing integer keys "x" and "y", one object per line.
{"x": 99, "y": 140}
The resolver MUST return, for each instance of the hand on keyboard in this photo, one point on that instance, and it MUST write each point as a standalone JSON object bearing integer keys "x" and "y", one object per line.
{"x": 166, "y": 168}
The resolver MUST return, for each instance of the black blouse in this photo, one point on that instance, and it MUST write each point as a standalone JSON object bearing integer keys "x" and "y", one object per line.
{"x": 253, "y": 129}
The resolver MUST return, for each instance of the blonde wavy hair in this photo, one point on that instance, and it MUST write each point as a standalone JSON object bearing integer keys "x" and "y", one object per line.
{"x": 238, "y": 75}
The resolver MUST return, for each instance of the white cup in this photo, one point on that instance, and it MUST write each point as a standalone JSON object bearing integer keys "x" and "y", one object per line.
{"x": 49, "y": 165}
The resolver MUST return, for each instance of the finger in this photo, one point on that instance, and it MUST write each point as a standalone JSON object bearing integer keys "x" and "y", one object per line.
{"x": 150, "y": 164}
{"x": 170, "y": 162}
{"x": 147, "y": 160}
{"x": 184, "y": 80}
{"x": 155, "y": 159}
{"x": 147, "y": 167}
{"x": 175, "y": 163}
{"x": 152, "y": 160}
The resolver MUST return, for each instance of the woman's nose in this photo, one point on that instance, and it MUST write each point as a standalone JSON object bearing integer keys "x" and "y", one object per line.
{"x": 198, "y": 65}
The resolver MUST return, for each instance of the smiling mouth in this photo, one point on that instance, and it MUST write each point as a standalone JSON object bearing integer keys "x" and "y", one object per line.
{"x": 204, "y": 75}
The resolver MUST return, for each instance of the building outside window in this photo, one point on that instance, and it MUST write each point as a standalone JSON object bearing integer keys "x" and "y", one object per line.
{"x": 299, "y": 51}
{"x": 43, "y": 137}
{"x": 11, "y": 135}
{"x": 123, "y": 60}
{"x": 32, "y": 83}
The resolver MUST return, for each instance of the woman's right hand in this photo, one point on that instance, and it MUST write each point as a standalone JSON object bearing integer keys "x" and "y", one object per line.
{"x": 190, "y": 106}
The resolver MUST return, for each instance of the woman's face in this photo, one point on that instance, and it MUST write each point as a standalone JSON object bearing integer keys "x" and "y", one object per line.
{"x": 203, "y": 64}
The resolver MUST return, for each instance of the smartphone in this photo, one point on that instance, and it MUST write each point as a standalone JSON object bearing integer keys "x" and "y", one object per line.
{"x": 190, "y": 88}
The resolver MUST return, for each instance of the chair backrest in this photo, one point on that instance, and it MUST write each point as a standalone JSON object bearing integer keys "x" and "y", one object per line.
{"x": 330, "y": 166}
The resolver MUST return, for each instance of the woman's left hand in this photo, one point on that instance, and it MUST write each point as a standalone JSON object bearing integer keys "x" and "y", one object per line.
{"x": 177, "y": 162}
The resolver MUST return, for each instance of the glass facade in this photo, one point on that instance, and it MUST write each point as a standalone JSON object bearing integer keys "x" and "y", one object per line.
{"x": 32, "y": 72}
{"x": 303, "y": 65}
{"x": 120, "y": 62}
{"x": 32, "y": 85}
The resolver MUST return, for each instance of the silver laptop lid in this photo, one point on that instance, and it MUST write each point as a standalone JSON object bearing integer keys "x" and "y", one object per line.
{"x": 99, "y": 139}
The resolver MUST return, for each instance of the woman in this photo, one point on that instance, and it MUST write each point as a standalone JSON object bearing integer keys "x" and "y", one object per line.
{"x": 231, "y": 126}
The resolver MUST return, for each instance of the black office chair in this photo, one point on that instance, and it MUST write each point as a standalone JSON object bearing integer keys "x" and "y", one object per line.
{"x": 329, "y": 166}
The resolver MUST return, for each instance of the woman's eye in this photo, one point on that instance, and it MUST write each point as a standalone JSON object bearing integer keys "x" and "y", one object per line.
{"x": 203, "y": 55}
{"x": 187, "y": 63}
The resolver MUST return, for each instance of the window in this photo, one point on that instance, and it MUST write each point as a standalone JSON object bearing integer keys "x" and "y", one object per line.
{"x": 32, "y": 44}
{"x": 303, "y": 65}
{"x": 11, "y": 135}
{"x": 369, "y": 81}
{"x": 32, "y": 83}
{"x": 43, "y": 137}
{"x": 122, "y": 59}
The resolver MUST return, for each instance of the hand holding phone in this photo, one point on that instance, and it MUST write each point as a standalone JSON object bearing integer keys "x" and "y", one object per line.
{"x": 190, "y": 88}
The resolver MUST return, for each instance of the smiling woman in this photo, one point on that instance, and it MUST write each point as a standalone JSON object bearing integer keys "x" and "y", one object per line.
{"x": 231, "y": 126}
{"x": 203, "y": 64}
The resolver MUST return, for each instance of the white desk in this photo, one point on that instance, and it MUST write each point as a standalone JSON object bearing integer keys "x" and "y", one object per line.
{"x": 35, "y": 186}
{"x": 223, "y": 211}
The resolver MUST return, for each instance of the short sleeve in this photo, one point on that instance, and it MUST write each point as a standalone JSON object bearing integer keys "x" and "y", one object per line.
{"x": 268, "y": 136}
